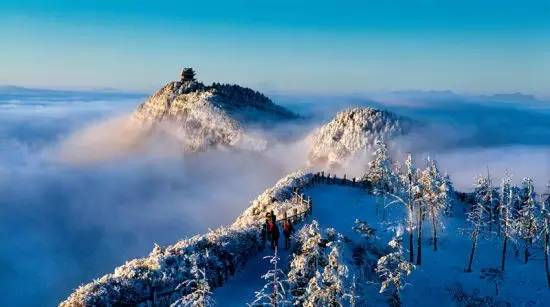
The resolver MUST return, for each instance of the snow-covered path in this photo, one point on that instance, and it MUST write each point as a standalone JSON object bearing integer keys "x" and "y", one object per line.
{"x": 334, "y": 206}
{"x": 431, "y": 283}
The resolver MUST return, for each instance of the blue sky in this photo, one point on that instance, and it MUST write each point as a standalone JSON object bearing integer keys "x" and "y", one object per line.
{"x": 295, "y": 46}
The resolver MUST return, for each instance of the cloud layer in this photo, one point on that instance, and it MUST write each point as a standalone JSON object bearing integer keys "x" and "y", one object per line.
{"x": 63, "y": 224}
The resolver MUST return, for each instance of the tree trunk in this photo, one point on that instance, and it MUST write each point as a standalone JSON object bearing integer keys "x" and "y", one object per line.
{"x": 419, "y": 237}
{"x": 395, "y": 300}
{"x": 503, "y": 259}
{"x": 411, "y": 217}
{"x": 472, "y": 252}
{"x": 434, "y": 231}
{"x": 411, "y": 235}
{"x": 411, "y": 246}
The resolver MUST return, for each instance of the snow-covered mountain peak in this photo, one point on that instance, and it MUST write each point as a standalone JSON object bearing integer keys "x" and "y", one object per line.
{"x": 206, "y": 116}
{"x": 352, "y": 132}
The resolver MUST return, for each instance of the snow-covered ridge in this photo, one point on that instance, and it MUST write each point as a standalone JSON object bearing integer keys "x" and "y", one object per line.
{"x": 353, "y": 132}
{"x": 216, "y": 115}
{"x": 164, "y": 269}
{"x": 276, "y": 199}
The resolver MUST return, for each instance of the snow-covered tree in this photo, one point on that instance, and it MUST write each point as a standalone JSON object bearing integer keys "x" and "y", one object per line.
{"x": 527, "y": 218}
{"x": 274, "y": 292}
{"x": 477, "y": 216}
{"x": 333, "y": 279}
{"x": 450, "y": 197}
{"x": 363, "y": 229}
{"x": 408, "y": 192}
{"x": 434, "y": 195}
{"x": 392, "y": 270}
{"x": 318, "y": 279}
{"x": 313, "y": 294}
{"x": 380, "y": 172}
{"x": 506, "y": 225}
{"x": 309, "y": 258}
{"x": 200, "y": 295}
{"x": 380, "y": 176}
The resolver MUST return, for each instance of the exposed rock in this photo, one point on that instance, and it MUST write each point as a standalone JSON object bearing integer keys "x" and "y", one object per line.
{"x": 217, "y": 115}
{"x": 352, "y": 132}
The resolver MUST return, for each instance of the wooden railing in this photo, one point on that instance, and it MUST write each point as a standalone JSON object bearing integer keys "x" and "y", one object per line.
{"x": 320, "y": 177}
{"x": 302, "y": 200}
{"x": 161, "y": 297}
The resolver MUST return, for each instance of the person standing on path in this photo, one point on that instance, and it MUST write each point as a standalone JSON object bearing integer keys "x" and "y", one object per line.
{"x": 273, "y": 231}
{"x": 288, "y": 229}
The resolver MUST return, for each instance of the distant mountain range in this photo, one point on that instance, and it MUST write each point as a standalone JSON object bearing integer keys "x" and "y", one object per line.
{"x": 9, "y": 93}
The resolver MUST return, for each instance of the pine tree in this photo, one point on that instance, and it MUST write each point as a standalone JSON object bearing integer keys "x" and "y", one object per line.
{"x": 380, "y": 171}
{"x": 313, "y": 295}
{"x": 307, "y": 261}
{"x": 392, "y": 270}
{"x": 477, "y": 217}
{"x": 200, "y": 295}
{"x": 527, "y": 219}
{"x": 334, "y": 274}
{"x": 274, "y": 292}
{"x": 505, "y": 215}
{"x": 450, "y": 193}
{"x": 380, "y": 175}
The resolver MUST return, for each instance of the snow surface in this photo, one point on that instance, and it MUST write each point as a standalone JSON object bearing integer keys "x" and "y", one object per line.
{"x": 430, "y": 284}
{"x": 439, "y": 281}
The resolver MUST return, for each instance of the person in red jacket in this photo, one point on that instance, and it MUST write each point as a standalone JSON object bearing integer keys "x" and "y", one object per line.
{"x": 288, "y": 229}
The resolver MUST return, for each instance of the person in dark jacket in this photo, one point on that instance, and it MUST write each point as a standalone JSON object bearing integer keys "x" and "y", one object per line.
{"x": 274, "y": 235}
{"x": 265, "y": 232}
{"x": 273, "y": 217}
{"x": 288, "y": 229}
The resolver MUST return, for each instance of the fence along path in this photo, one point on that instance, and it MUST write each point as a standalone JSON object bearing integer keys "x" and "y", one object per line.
{"x": 305, "y": 201}
{"x": 161, "y": 297}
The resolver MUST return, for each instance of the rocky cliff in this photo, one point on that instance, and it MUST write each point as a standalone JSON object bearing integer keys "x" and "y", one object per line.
{"x": 216, "y": 115}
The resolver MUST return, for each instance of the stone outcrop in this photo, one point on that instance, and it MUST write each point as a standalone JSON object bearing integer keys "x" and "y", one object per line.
{"x": 353, "y": 132}
{"x": 216, "y": 115}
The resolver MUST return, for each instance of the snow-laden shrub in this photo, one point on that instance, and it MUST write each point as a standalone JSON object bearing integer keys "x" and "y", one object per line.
{"x": 276, "y": 199}
{"x": 464, "y": 299}
{"x": 165, "y": 269}
{"x": 318, "y": 275}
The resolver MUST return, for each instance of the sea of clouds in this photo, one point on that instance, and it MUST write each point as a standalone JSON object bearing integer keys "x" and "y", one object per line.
{"x": 79, "y": 197}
